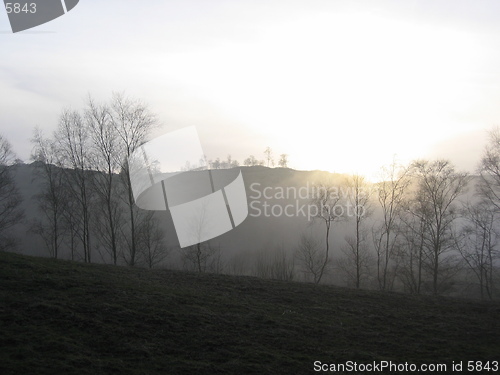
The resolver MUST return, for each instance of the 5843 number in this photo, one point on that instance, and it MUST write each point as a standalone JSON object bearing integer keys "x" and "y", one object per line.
{"x": 19, "y": 8}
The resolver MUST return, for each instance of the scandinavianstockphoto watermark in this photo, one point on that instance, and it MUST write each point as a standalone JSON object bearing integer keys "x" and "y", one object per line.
{"x": 309, "y": 201}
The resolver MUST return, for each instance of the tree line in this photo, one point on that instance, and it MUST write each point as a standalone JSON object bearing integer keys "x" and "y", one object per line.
{"x": 424, "y": 228}
{"x": 418, "y": 229}
{"x": 85, "y": 197}
{"x": 251, "y": 161}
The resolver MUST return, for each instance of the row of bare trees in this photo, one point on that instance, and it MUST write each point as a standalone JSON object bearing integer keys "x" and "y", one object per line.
{"x": 85, "y": 194}
{"x": 250, "y": 161}
{"x": 269, "y": 160}
{"x": 428, "y": 223}
{"x": 416, "y": 229}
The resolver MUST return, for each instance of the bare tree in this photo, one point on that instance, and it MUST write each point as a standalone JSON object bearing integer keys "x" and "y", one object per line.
{"x": 72, "y": 222}
{"x": 152, "y": 241}
{"x": 10, "y": 199}
{"x": 391, "y": 197}
{"x": 74, "y": 146}
{"x": 488, "y": 189}
{"x": 232, "y": 163}
{"x": 252, "y": 161}
{"x": 283, "y": 162}
{"x": 356, "y": 261}
{"x": 409, "y": 251}
{"x": 330, "y": 208}
{"x": 489, "y": 170}
{"x": 106, "y": 154}
{"x": 477, "y": 243}
{"x": 217, "y": 263}
{"x": 439, "y": 186}
{"x": 229, "y": 163}
{"x": 216, "y": 164}
{"x": 311, "y": 257}
{"x": 52, "y": 198}
{"x": 133, "y": 122}
{"x": 269, "y": 156}
{"x": 356, "y": 252}
{"x": 202, "y": 257}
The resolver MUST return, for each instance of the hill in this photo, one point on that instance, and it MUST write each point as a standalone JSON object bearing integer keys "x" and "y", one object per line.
{"x": 280, "y": 208}
{"x": 273, "y": 228}
{"x": 62, "y": 317}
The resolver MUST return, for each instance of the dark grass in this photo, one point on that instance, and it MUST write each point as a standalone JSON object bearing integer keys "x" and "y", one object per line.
{"x": 60, "y": 317}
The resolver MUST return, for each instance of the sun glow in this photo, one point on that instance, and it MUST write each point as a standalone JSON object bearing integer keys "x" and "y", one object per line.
{"x": 341, "y": 92}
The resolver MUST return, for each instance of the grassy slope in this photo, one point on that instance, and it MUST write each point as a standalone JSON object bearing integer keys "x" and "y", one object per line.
{"x": 59, "y": 317}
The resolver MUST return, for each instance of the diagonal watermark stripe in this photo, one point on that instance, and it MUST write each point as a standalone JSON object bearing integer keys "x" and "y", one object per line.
{"x": 170, "y": 173}
{"x": 24, "y": 15}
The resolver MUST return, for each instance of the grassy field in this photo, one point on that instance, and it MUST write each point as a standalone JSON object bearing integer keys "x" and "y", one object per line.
{"x": 61, "y": 317}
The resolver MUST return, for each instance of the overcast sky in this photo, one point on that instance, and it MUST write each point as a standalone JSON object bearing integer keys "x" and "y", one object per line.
{"x": 338, "y": 85}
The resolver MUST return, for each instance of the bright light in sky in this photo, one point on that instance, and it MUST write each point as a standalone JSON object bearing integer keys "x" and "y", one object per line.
{"x": 338, "y": 86}
{"x": 341, "y": 92}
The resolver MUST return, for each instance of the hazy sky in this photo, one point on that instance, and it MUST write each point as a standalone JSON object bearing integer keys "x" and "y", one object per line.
{"x": 338, "y": 85}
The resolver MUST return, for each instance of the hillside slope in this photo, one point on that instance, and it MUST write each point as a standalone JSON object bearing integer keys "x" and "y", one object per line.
{"x": 60, "y": 317}
{"x": 271, "y": 230}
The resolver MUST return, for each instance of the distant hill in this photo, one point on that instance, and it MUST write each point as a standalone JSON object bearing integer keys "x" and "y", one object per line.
{"x": 279, "y": 200}
{"x": 62, "y": 317}
{"x": 263, "y": 228}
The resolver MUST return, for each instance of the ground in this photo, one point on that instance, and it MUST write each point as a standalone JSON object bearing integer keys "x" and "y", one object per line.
{"x": 61, "y": 317}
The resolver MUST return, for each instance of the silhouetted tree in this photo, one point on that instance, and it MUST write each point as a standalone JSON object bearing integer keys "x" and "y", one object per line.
{"x": 10, "y": 199}
{"x": 133, "y": 123}
{"x": 229, "y": 163}
{"x": 330, "y": 208}
{"x": 52, "y": 198}
{"x": 409, "y": 248}
{"x": 269, "y": 156}
{"x": 356, "y": 252}
{"x": 74, "y": 145}
{"x": 489, "y": 170}
{"x": 477, "y": 243}
{"x": 310, "y": 256}
{"x": 106, "y": 159}
{"x": 202, "y": 257}
{"x": 391, "y": 192}
{"x": 252, "y": 161}
{"x": 216, "y": 164}
{"x": 439, "y": 186}
{"x": 151, "y": 241}
{"x": 283, "y": 162}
